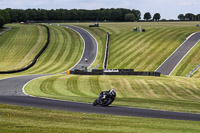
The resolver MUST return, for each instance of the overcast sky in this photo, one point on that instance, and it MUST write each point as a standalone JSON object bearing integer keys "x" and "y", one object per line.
{"x": 168, "y": 9}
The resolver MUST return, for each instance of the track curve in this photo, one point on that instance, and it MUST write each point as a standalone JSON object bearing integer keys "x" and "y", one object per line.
{"x": 167, "y": 67}
{"x": 11, "y": 93}
{"x": 90, "y": 48}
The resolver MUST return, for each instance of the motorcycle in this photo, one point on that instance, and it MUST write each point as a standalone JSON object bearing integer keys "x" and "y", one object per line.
{"x": 105, "y": 98}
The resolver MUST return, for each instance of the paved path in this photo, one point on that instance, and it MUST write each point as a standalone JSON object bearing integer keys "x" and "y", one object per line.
{"x": 167, "y": 67}
{"x": 11, "y": 93}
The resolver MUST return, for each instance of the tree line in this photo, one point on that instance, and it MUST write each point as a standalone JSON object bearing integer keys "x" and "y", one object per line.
{"x": 156, "y": 16}
{"x": 189, "y": 16}
{"x": 4, "y": 17}
{"x": 119, "y": 14}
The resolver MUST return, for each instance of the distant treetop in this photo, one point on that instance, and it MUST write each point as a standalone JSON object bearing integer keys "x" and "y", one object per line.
{"x": 112, "y": 14}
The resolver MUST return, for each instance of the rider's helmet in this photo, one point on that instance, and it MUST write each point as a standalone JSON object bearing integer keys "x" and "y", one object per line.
{"x": 113, "y": 92}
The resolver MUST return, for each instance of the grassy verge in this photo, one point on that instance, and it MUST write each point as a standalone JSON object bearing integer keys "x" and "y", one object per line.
{"x": 20, "y": 45}
{"x": 144, "y": 51}
{"x": 165, "y": 93}
{"x": 25, "y": 119}
{"x": 64, "y": 51}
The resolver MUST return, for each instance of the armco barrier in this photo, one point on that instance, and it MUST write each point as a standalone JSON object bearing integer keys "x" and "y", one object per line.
{"x": 35, "y": 59}
{"x": 115, "y": 72}
{"x": 106, "y": 52}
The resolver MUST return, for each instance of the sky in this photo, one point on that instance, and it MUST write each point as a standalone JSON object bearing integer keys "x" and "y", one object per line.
{"x": 168, "y": 9}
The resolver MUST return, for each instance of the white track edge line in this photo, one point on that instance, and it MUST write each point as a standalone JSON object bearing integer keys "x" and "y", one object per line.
{"x": 23, "y": 90}
{"x": 17, "y": 77}
{"x": 184, "y": 57}
{"x": 91, "y": 103}
{"x": 69, "y": 69}
{"x": 83, "y": 48}
{"x": 95, "y": 41}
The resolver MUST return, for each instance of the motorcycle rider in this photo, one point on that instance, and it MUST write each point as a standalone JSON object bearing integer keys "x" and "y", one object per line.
{"x": 108, "y": 93}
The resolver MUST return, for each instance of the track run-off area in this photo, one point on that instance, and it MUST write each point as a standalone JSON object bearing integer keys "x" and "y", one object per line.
{"x": 12, "y": 92}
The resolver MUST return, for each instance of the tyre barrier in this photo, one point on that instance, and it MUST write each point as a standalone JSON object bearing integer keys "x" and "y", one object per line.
{"x": 115, "y": 72}
{"x": 95, "y": 25}
{"x": 106, "y": 52}
{"x": 35, "y": 59}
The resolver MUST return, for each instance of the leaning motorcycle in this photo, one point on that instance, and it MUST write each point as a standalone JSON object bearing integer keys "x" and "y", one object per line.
{"x": 105, "y": 98}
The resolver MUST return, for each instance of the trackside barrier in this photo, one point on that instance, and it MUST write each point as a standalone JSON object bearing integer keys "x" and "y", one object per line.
{"x": 106, "y": 52}
{"x": 95, "y": 25}
{"x": 115, "y": 72}
{"x": 35, "y": 59}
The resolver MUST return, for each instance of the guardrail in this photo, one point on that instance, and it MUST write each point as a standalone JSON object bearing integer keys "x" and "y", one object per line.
{"x": 34, "y": 60}
{"x": 188, "y": 75}
{"x": 106, "y": 52}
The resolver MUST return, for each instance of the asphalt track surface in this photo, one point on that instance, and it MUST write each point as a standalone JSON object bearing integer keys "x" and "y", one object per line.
{"x": 90, "y": 49}
{"x": 167, "y": 67}
{"x": 11, "y": 92}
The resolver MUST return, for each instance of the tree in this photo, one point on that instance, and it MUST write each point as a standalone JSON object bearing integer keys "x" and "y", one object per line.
{"x": 4, "y": 17}
{"x": 156, "y": 17}
{"x": 190, "y": 16}
{"x": 147, "y": 16}
{"x": 129, "y": 17}
{"x": 112, "y": 14}
{"x": 1, "y": 21}
{"x": 137, "y": 14}
{"x": 181, "y": 17}
{"x": 198, "y": 17}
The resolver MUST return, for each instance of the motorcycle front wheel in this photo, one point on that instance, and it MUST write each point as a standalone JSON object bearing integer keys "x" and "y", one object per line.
{"x": 95, "y": 103}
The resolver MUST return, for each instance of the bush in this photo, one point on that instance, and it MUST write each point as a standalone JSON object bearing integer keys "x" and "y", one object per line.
{"x": 1, "y": 21}
{"x": 4, "y": 17}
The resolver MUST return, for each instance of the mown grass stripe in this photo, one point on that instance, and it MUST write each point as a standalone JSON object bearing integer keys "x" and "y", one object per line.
{"x": 121, "y": 38}
{"x": 133, "y": 43}
{"x": 15, "y": 44}
{"x": 164, "y": 90}
{"x": 144, "y": 54}
{"x": 147, "y": 54}
{"x": 51, "y": 59}
{"x": 127, "y": 56}
{"x": 94, "y": 83}
{"x": 58, "y": 56}
{"x": 73, "y": 87}
{"x": 127, "y": 44}
{"x": 48, "y": 54}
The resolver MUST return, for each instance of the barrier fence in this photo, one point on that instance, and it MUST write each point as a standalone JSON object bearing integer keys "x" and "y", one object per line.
{"x": 106, "y": 52}
{"x": 115, "y": 72}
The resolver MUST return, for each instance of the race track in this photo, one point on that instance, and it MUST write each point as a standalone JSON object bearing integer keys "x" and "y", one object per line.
{"x": 167, "y": 67}
{"x": 90, "y": 49}
{"x": 11, "y": 92}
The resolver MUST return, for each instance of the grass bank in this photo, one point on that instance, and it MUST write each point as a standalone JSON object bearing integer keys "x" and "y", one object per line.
{"x": 164, "y": 93}
{"x": 20, "y": 45}
{"x": 25, "y": 119}
{"x": 64, "y": 50}
{"x": 146, "y": 51}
